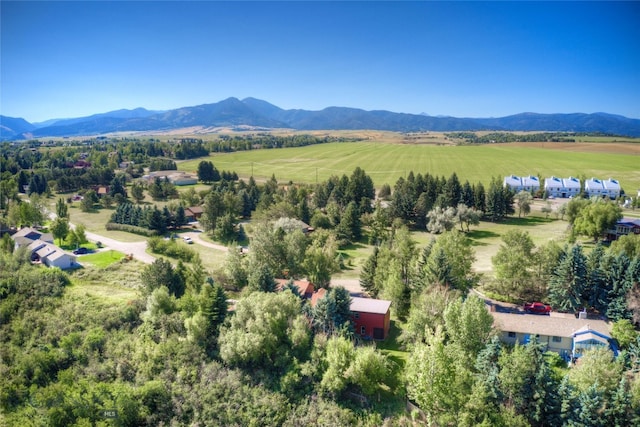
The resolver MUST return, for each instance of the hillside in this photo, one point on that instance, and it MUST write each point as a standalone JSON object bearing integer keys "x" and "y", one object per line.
{"x": 233, "y": 112}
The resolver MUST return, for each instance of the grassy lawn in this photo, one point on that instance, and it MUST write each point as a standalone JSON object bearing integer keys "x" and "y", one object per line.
{"x": 391, "y": 346}
{"x": 116, "y": 283}
{"x": 101, "y": 259}
{"x": 386, "y": 162}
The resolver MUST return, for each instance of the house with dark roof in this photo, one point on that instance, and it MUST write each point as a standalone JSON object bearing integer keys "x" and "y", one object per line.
{"x": 564, "y": 334}
{"x": 623, "y": 227}
{"x": 42, "y": 250}
{"x": 193, "y": 213}
{"x": 27, "y": 235}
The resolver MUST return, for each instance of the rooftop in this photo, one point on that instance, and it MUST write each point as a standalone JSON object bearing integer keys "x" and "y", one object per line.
{"x": 370, "y": 305}
{"x": 548, "y": 325}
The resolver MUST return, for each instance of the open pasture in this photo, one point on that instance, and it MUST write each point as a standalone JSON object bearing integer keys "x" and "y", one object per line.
{"x": 386, "y": 161}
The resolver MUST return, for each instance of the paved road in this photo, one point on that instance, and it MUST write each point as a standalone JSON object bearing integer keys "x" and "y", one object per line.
{"x": 138, "y": 249}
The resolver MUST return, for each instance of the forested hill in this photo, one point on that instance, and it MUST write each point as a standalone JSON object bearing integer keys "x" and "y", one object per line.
{"x": 256, "y": 113}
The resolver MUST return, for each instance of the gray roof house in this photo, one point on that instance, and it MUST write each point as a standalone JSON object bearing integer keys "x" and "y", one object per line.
{"x": 565, "y": 335}
{"x": 25, "y": 236}
{"x": 41, "y": 248}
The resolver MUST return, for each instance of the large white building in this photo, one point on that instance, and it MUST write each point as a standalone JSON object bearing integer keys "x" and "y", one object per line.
{"x": 526, "y": 183}
{"x": 595, "y": 187}
{"x": 562, "y": 187}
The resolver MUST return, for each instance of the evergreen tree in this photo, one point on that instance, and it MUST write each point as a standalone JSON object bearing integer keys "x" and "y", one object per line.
{"x": 213, "y": 305}
{"x": 368, "y": 274}
{"x": 452, "y": 192}
{"x": 261, "y": 279}
{"x": 589, "y": 406}
{"x": 618, "y": 412}
{"x": 479, "y": 197}
{"x": 620, "y": 281}
{"x": 567, "y": 281}
{"x": 595, "y": 290}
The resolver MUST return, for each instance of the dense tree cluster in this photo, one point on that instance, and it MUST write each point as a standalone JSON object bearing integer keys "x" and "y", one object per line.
{"x": 148, "y": 217}
{"x": 605, "y": 280}
{"x": 503, "y": 137}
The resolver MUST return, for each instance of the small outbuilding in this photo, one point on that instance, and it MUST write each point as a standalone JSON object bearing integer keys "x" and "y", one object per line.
{"x": 371, "y": 317}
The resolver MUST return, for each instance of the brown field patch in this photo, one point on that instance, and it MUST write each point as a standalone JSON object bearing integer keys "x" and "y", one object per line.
{"x": 581, "y": 147}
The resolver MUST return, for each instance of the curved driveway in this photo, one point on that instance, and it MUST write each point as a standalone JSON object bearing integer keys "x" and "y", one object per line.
{"x": 137, "y": 249}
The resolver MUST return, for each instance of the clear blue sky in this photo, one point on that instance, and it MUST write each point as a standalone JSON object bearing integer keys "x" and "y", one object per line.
{"x": 472, "y": 59}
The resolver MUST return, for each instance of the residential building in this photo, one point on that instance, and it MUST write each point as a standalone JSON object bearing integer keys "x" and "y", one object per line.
{"x": 305, "y": 288}
{"x": 530, "y": 183}
{"x": 526, "y": 183}
{"x": 623, "y": 227}
{"x": 175, "y": 177}
{"x": 513, "y": 182}
{"x": 371, "y": 317}
{"x": 612, "y": 188}
{"x": 595, "y": 187}
{"x": 41, "y": 249}
{"x": 562, "y": 187}
{"x": 564, "y": 334}
{"x": 27, "y": 235}
{"x": 193, "y": 213}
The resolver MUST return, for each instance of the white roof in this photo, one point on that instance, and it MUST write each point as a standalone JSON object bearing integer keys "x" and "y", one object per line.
{"x": 593, "y": 183}
{"x": 611, "y": 184}
{"x": 553, "y": 182}
{"x": 512, "y": 181}
{"x": 370, "y": 305}
{"x": 529, "y": 181}
{"x": 571, "y": 182}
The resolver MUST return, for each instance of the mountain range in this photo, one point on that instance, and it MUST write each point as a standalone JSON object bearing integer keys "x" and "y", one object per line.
{"x": 257, "y": 113}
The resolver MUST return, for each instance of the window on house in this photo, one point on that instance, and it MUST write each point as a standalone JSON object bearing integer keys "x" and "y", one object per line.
{"x": 512, "y": 334}
{"x": 363, "y": 330}
{"x": 356, "y": 315}
{"x": 556, "y": 339}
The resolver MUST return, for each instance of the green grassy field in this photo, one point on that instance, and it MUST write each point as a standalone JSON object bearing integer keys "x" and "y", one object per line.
{"x": 105, "y": 279}
{"x": 386, "y": 162}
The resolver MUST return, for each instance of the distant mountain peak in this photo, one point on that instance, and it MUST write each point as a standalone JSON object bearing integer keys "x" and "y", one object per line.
{"x": 256, "y": 113}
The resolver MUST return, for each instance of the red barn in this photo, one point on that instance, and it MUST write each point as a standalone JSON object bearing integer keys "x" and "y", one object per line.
{"x": 371, "y": 317}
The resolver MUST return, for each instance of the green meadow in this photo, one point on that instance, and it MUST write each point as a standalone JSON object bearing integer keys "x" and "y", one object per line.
{"x": 386, "y": 162}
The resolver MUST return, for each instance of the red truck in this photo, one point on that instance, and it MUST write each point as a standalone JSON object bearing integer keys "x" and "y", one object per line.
{"x": 537, "y": 308}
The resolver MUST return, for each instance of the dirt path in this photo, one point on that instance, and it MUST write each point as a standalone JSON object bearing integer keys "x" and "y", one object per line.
{"x": 352, "y": 285}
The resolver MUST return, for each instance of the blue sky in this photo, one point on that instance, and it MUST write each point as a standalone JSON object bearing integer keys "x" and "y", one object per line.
{"x": 476, "y": 59}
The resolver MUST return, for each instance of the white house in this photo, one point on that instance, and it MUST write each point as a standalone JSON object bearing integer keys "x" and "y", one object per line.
{"x": 598, "y": 188}
{"x": 611, "y": 188}
{"x": 562, "y": 187}
{"x": 513, "y": 182}
{"x": 572, "y": 185}
{"x": 526, "y": 183}
{"x": 530, "y": 183}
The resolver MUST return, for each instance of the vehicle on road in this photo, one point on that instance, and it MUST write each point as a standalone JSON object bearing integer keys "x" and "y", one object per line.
{"x": 188, "y": 240}
{"x": 537, "y": 308}
{"x": 81, "y": 251}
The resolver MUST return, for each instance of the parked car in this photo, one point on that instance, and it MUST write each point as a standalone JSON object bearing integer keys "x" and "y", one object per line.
{"x": 188, "y": 240}
{"x": 537, "y": 308}
{"x": 81, "y": 251}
